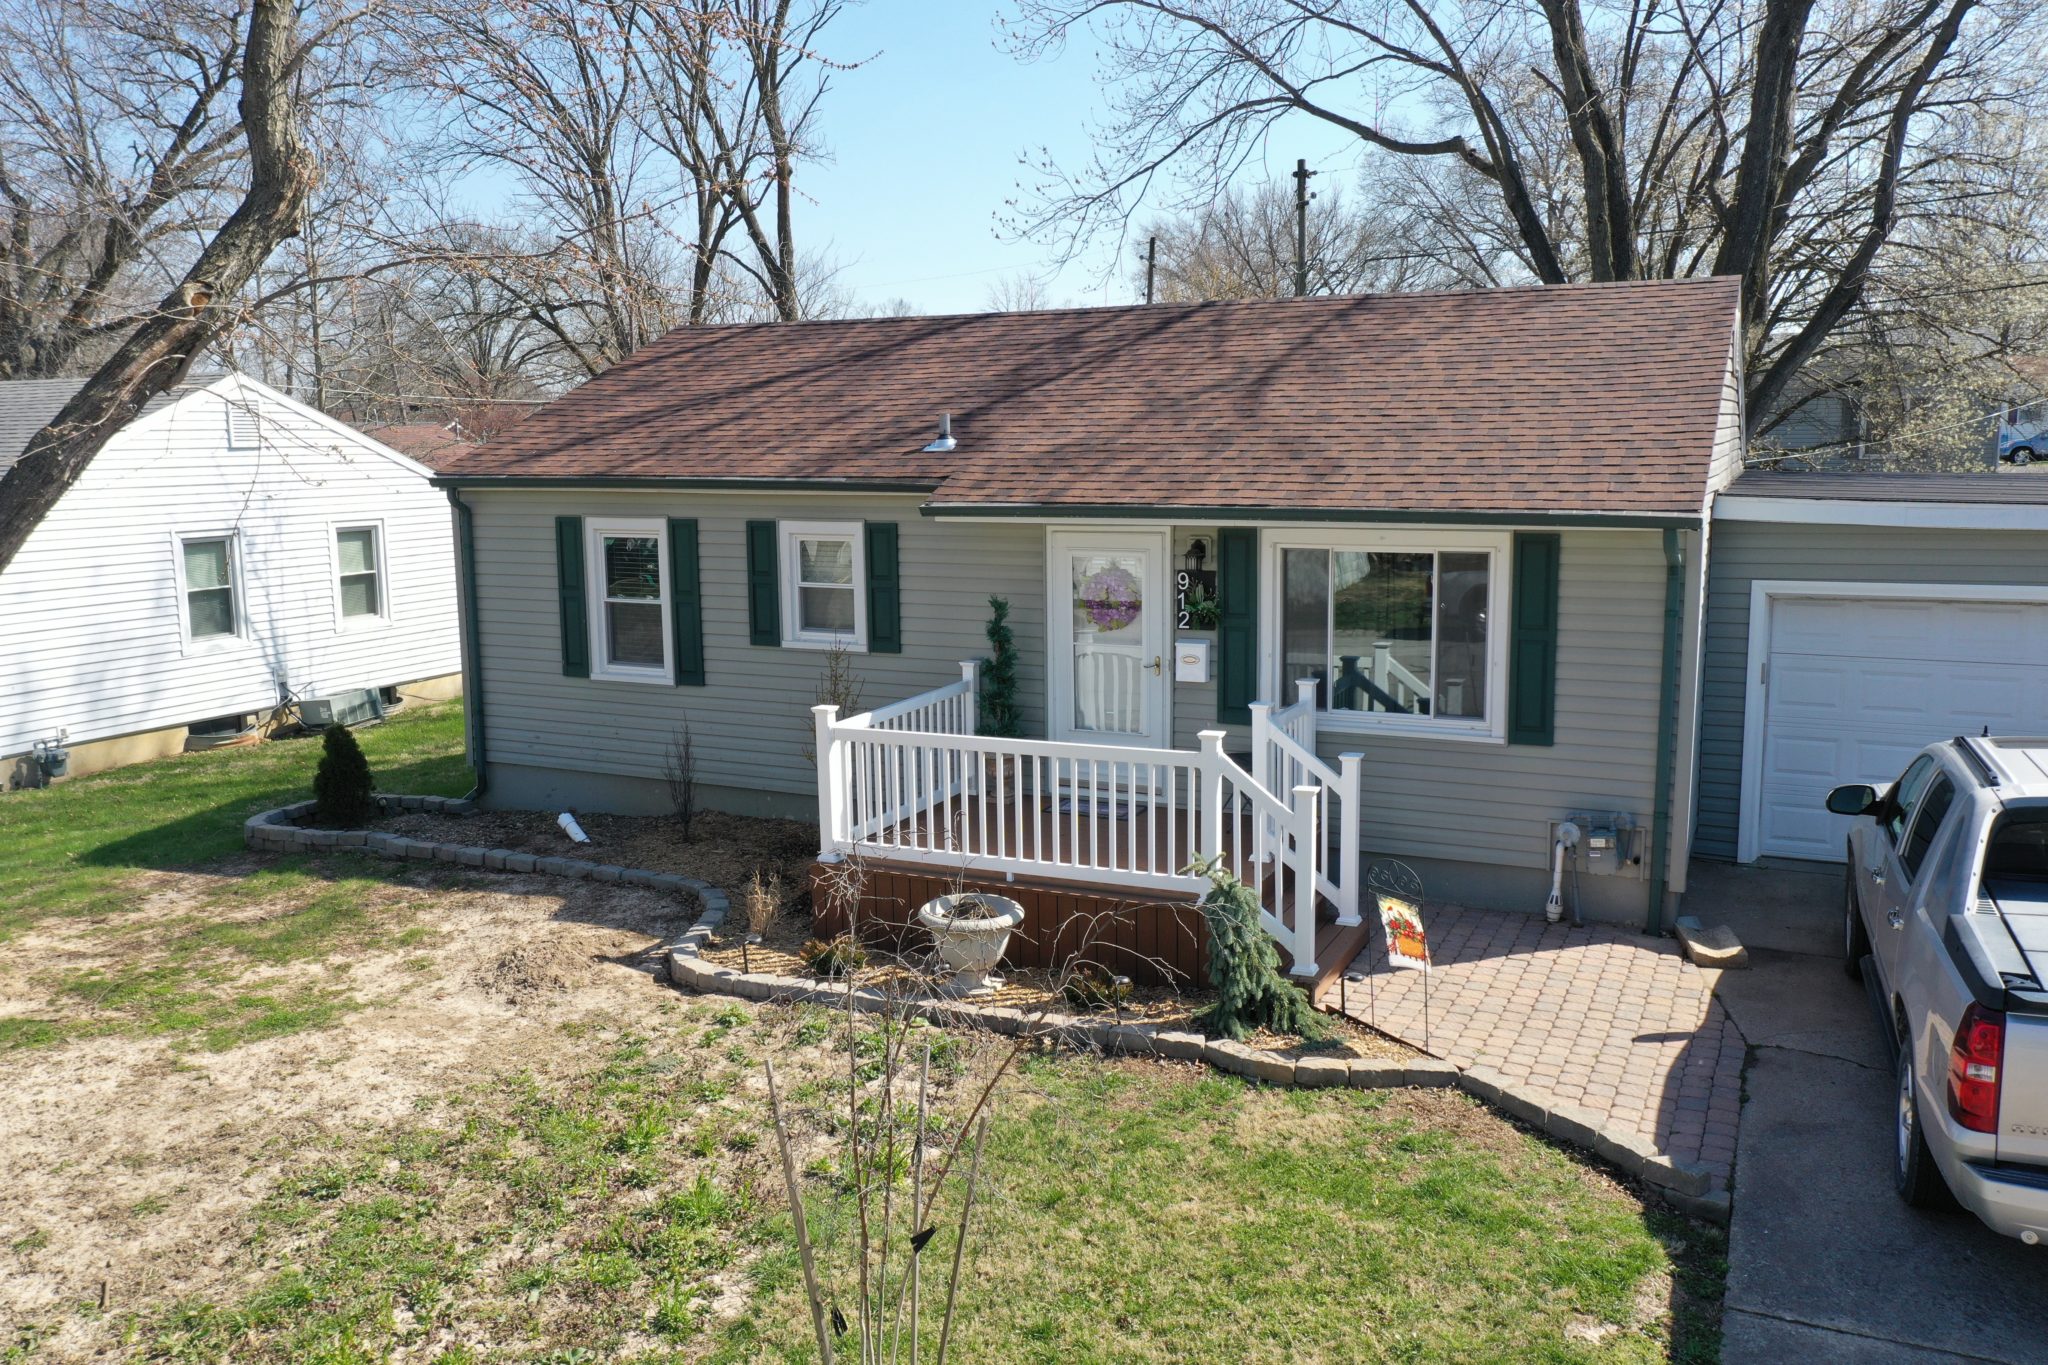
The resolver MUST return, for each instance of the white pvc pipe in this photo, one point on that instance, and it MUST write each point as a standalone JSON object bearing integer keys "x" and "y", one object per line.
{"x": 1567, "y": 838}
{"x": 571, "y": 828}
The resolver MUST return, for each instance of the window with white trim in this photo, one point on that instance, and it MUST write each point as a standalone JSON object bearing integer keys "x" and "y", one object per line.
{"x": 207, "y": 567}
{"x": 629, "y": 608}
{"x": 359, "y": 563}
{"x": 1397, "y": 630}
{"x": 824, "y": 584}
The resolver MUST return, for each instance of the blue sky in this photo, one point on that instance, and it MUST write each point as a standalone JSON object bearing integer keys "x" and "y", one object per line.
{"x": 925, "y": 140}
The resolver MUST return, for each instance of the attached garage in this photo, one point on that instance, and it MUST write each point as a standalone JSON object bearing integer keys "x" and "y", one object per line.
{"x": 1850, "y": 621}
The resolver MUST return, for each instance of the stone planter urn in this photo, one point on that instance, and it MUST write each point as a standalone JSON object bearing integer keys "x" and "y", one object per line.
{"x": 971, "y": 930}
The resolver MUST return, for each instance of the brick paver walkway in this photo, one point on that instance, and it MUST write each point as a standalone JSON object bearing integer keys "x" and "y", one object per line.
{"x": 1600, "y": 1018}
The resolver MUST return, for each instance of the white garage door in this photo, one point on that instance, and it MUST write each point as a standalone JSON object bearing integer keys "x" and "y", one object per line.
{"x": 1858, "y": 685}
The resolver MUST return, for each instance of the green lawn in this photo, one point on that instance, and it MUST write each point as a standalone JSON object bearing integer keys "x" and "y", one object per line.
{"x": 606, "y": 1188}
{"x": 1136, "y": 1213}
{"x": 67, "y": 850}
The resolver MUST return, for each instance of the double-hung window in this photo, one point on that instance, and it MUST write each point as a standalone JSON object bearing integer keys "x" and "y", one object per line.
{"x": 629, "y": 599}
{"x": 207, "y": 566}
{"x": 358, "y": 552}
{"x": 1398, "y": 631}
{"x": 824, "y": 573}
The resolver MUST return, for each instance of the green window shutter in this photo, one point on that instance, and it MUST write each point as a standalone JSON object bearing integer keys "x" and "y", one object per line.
{"x": 764, "y": 592}
{"x": 1532, "y": 640}
{"x": 569, "y": 588}
{"x": 885, "y": 591}
{"x": 1237, "y": 629}
{"x": 686, "y": 601}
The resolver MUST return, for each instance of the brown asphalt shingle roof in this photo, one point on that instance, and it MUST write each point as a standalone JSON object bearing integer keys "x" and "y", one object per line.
{"x": 1576, "y": 398}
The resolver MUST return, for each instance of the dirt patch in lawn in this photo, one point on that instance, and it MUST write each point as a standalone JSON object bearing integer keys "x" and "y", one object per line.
{"x": 724, "y": 850}
{"x": 130, "y": 1150}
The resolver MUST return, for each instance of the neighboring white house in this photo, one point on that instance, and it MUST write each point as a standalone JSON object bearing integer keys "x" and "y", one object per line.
{"x": 229, "y": 551}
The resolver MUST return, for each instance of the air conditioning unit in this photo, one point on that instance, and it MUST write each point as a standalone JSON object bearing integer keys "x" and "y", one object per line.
{"x": 343, "y": 708}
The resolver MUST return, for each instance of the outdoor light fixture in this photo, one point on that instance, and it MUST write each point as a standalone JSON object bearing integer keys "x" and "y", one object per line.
{"x": 1344, "y": 991}
{"x": 1119, "y": 986}
{"x": 750, "y": 941}
{"x": 1198, "y": 551}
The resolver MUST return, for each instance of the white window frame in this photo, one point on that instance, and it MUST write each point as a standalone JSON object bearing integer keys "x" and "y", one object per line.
{"x": 237, "y": 581}
{"x": 382, "y": 616}
{"x": 1492, "y": 728}
{"x": 595, "y": 531}
{"x": 788, "y": 533}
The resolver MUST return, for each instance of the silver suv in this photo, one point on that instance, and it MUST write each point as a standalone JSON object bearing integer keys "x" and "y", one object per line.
{"x": 1945, "y": 917}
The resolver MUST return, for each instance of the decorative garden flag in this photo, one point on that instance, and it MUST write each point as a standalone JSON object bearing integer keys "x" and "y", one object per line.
{"x": 1402, "y": 919}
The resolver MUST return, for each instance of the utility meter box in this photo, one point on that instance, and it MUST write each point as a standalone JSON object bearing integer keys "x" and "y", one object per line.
{"x": 1191, "y": 661}
{"x": 1609, "y": 843}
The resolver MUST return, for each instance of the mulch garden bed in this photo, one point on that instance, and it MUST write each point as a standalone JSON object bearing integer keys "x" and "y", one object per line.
{"x": 729, "y": 850}
{"x": 725, "y": 850}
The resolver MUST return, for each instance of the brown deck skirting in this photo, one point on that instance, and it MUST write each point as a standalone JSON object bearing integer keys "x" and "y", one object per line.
{"x": 1154, "y": 939}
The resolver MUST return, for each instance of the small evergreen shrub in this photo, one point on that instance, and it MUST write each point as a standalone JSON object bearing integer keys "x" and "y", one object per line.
{"x": 1244, "y": 968}
{"x": 343, "y": 795}
{"x": 1001, "y": 714}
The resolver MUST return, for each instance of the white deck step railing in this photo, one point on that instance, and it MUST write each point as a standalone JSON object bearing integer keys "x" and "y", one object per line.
{"x": 1110, "y": 815}
{"x": 1284, "y": 759}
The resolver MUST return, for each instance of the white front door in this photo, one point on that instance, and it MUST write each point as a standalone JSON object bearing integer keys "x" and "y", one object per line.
{"x": 1107, "y": 616}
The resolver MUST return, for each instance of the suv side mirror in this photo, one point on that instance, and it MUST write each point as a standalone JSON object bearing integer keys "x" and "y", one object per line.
{"x": 1855, "y": 800}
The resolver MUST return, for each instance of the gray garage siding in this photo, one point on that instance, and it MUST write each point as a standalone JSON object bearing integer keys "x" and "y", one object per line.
{"x": 1744, "y": 551}
{"x": 751, "y": 720}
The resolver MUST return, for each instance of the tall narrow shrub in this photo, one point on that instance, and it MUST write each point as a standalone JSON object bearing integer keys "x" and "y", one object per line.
{"x": 342, "y": 792}
{"x": 1244, "y": 967}
{"x": 999, "y": 710}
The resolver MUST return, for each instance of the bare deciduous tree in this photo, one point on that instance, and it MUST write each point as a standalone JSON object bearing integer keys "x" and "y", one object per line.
{"x": 1784, "y": 141}
{"x": 162, "y": 344}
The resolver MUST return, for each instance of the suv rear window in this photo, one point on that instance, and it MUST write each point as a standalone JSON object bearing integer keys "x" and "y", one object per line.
{"x": 1926, "y": 824}
{"x": 2019, "y": 846}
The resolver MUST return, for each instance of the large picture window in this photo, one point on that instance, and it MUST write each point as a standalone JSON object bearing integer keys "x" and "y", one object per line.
{"x": 824, "y": 576}
{"x": 1396, "y": 632}
{"x": 629, "y": 600}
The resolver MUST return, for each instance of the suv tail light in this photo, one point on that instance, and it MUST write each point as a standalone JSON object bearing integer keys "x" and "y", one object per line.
{"x": 1973, "y": 1069}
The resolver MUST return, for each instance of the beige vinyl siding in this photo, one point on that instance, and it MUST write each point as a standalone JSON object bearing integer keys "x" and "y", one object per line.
{"x": 1472, "y": 801}
{"x": 1475, "y": 801}
{"x": 751, "y": 721}
{"x": 1730, "y": 440}
{"x": 1745, "y": 551}
{"x": 90, "y": 610}
{"x": 1459, "y": 801}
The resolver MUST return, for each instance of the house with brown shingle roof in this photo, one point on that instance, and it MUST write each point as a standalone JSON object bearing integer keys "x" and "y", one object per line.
{"x": 1302, "y": 583}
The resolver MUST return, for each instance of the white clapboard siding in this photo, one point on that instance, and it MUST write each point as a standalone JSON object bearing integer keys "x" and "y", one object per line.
{"x": 91, "y": 635}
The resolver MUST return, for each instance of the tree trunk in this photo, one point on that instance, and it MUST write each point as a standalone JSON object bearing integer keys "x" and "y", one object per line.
{"x": 162, "y": 348}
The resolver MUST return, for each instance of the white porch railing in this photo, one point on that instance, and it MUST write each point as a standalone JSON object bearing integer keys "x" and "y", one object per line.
{"x": 1284, "y": 759}
{"x": 938, "y": 795}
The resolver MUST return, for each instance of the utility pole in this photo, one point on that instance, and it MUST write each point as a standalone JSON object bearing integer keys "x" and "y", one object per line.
{"x": 313, "y": 316}
{"x": 1301, "y": 198}
{"x": 1151, "y": 257}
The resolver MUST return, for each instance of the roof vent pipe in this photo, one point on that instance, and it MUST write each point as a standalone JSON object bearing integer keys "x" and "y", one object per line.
{"x": 945, "y": 442}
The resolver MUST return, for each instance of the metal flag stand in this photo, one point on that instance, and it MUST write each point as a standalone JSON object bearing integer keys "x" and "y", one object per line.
{"x": 1392, "y": 877}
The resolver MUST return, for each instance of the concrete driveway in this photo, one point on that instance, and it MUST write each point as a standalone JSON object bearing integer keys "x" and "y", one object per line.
{"x": 1824, "y": 1262}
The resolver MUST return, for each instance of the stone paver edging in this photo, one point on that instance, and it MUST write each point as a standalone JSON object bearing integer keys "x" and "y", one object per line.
{"x": 1688, "y": 1186}
{"x": 275, "y": 831}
